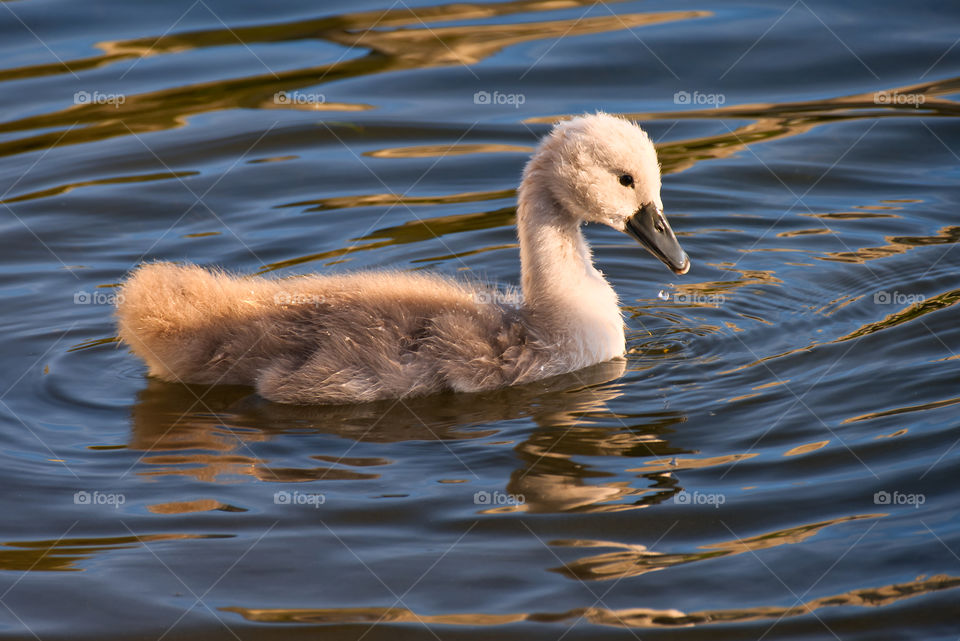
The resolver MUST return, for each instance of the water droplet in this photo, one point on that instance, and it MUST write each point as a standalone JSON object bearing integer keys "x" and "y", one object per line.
{"x": 663, "y": 295}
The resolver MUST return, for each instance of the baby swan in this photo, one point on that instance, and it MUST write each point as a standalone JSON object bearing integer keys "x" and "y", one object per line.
{"x": 376, "y": 335}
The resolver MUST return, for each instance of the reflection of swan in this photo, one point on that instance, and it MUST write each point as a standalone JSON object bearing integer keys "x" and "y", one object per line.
{"x": 369, "y": 336}
{"x": 207, "y": 433}
{"x": 556, "y": 475}
{"x": 215, "y": 433}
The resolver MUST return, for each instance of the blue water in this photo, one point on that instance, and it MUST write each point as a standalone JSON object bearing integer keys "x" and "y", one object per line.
{"x": 776, "y": 460}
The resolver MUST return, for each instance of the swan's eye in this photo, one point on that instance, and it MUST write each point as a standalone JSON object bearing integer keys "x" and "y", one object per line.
{"x": 626, "y": 180}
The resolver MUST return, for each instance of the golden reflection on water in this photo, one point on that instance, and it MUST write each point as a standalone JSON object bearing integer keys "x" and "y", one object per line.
{"x": 192, "y": 506}
{"x": 776, "y": 121}
{"x": 554, "y": 478}
{"x": 634, "y": 560}
{"x": 900, "y": 432}
{"x": 851, "y": 215}
{"x": 677, "y": 464}
{"x": 805, "y": 232}
{"x": 909, "y": 313}
{"x": 63, "y": 555}
{"x": 274, "y": 103}
{"x": 406, "y": 39}
{"x": 896, "y": 245}
{"x": 440, "y": 151}
{"x": 903, "y": 410}
{"x": 392, "y": 200}
{"x": 59, "y": 190}
{"x": 402, "y": 40}
{"x": 628, "y": 617}
{"x": 681, "y": 155}
{"x": 362, "y": 21}
{"x": 413, "y": 231}
{"x": 806, "y": 448}
{"x": 835, "y": 305}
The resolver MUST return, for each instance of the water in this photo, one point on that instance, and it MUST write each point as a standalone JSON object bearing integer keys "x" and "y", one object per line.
{"x": 776, "y": 460}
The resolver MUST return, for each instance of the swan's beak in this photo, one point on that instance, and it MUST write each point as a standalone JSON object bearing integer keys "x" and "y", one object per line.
{"x": 653, "y": 231}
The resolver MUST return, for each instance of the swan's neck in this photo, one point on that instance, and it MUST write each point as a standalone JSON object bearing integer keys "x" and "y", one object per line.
{"x": 565, "y": 295}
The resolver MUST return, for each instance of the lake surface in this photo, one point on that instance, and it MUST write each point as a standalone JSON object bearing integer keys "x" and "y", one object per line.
{"x": 778, "y": 457}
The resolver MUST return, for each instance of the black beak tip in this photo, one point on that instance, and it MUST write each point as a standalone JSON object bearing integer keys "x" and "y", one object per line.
{"x": 652, "y": 231}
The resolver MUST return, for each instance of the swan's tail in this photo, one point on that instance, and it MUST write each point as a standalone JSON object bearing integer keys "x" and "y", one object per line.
{"x": 177, "y": 318}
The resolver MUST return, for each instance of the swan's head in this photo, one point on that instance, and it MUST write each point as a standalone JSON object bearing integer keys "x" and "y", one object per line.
{"x": 604, "y": 169}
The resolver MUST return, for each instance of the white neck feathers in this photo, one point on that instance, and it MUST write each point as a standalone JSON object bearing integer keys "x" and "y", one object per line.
{"x": 565, "y": 295}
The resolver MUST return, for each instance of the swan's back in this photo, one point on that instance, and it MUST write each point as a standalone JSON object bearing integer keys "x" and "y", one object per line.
{"x": 324, "y": 339}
